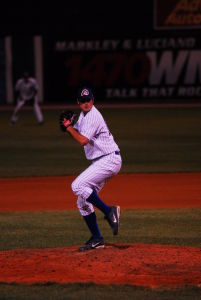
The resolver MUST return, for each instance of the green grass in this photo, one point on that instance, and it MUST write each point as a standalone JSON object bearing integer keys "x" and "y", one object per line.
{"x": 151, "y": 140}
{"x": 92, "y": 292}
{"x": 54, "y": 229}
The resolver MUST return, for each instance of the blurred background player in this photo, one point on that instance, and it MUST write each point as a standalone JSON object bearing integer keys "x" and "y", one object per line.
{"x": 26, "y": 91}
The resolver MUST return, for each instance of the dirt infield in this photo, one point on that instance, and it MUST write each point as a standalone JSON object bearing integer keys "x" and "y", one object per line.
{"x": 170, "y": 190}
{"x": 135, "y": 264}
{"x": 138, "y": 264}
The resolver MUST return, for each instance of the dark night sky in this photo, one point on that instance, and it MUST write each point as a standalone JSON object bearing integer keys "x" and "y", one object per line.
{"x": 77, "y": 17}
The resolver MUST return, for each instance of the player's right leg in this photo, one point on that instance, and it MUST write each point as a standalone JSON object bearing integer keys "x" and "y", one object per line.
{"x": 38, "y": 111}
{"x": 14, "y": 117}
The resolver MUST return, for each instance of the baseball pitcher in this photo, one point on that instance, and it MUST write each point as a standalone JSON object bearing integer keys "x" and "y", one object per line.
{"x": 92, "y": 132}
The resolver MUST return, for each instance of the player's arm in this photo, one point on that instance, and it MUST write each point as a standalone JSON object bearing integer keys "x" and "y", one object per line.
{"x": 81, "y": 139}
{"x": 66, "y": 122}
{"x": 17, "y": 89}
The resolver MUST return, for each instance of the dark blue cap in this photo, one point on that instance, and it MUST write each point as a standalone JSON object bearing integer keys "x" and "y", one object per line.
{"x": 25, "y": 74}
{"x": 85, "y": 93}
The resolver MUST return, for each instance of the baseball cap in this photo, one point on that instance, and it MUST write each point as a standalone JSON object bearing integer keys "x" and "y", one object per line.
{"x": 85, "y": 94}
{"x": 25, "y": 74}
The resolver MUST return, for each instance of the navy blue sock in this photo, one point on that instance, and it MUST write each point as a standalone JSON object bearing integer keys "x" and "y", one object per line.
{"x": 96, "y": 201}
{"x": 92, "y": 225}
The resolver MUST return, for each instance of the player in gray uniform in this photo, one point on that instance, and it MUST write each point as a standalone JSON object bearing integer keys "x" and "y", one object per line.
{"x": 91, "y": 131}
{"x": 26, "y": 90}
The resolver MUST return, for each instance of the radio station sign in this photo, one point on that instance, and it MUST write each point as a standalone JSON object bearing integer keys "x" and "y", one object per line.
{"x": 177, "y": 14}
{"x": 148, "y": 68}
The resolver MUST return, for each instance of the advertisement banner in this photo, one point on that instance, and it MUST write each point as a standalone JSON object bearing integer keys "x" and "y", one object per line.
{"x": 177, "y": 14}
{"x": 125, "y": 69}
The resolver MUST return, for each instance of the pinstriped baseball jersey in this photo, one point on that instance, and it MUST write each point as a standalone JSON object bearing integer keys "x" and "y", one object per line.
{"x": 93, "y": 126}
{"x": 27, "y": 88}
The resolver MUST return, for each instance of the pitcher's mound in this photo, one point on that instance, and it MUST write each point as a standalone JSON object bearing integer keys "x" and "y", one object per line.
{"x": 134, "y": 264}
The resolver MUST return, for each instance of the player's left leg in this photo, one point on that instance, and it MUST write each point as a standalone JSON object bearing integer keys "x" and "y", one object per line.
{"x": 88, "y": 184}
{"x": 96, "y": 175}
{"x": 87, "y": 211}
{"x": 38, "y": 111}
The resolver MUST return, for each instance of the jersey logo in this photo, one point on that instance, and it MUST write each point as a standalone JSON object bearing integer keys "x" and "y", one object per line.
{"x": 85, "y": 92}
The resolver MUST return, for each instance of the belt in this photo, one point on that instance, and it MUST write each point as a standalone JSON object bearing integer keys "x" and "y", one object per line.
{"x": 117, "y": 152}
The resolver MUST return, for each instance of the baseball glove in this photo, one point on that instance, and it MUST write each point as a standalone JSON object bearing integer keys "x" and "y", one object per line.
{"x": 67, "y": 118}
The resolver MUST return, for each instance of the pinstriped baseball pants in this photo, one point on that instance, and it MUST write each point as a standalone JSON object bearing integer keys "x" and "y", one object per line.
{"x": 94, "y": 178}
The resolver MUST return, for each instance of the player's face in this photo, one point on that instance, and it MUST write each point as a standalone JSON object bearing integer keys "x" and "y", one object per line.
{"x": 26, "y": 79}
{"x": 86, "y": 105}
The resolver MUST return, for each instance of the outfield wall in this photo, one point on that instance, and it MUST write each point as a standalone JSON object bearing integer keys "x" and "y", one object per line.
{"x": 131, "y": 69}
{"x": 159, "y": 62}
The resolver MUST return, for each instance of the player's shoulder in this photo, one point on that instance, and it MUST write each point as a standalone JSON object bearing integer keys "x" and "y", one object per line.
{"x": 19, "y": 81}
{"x": 32, "y": 80}
{"x": 93, "y": 114}
{"x": 95, "y": 111}
{"x": 99, "y": 115}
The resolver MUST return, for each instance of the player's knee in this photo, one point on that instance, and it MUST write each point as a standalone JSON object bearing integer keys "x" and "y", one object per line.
{"x": 75, "y": 187}
{"x": 84, "y": 207}
{"x": 81, "y": 189}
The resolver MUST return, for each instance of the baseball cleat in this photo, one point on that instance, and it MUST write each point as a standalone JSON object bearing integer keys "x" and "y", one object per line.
{"x": 12, "y": 122}
{"x": 92, "y": 243}
{"x": 113, "y": 219}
